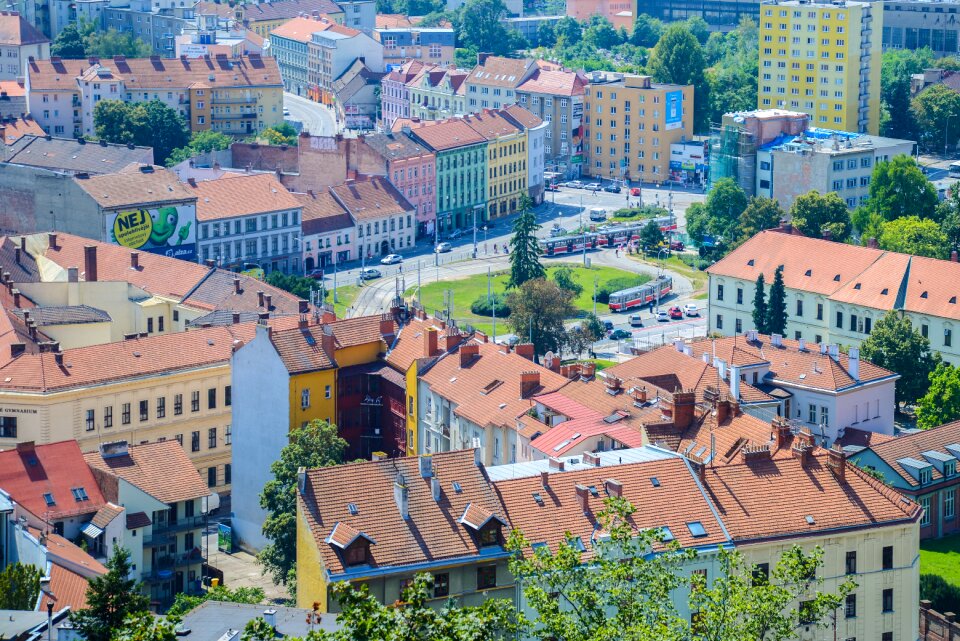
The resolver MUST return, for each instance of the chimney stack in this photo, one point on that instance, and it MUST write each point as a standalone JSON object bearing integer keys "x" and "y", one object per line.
{"x": 723, "y": 410}
{"x": 16, "y": 255}
{"x": 236, "y": 285}
{"x": 529, "y": 381}
{"x": 401, "y": 495}
{"x": 590, "y": 458}
{"x": 90, "y": 262}
{"x": 545, "y": 479}
{"x": 525, "y": 350}
{"x": 468, "y": 352}
{"x": 583, "y": 497}
{"x": 327, "y": 341}
{"x": 260, "y": 298}
{"x": 613, "y": 487}
{"x": 386, "y": 325}
{"x": 134, "y": 260}
{"x": 52, "y": 240}
{"x": 781, "y": 432}
{"x": 872, "y": 243}
{"x": 236, "y": 318}
{"x": 268, "y": 299}
{"x": 555, "y": 464}
{"x": 303, "y": 322}
{"x": 435, "y": 488}
{"x": 835, "y": 352}
{"x": 430, "y": 342}
{"x": 735, "y": 382}
{"x": 425, "y": 463}
{"x": 853, "y": 366}
{"x": 953, "y": 256}
{"x": 16, "y": 298}
{"x": 837, "y": 462}
{"x": 303, "y": 306}
{"x": 684, "y": 404}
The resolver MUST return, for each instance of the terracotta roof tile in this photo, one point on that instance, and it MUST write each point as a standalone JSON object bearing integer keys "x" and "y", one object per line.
{"x": 914, "y": 445}
{"x": 431, "y": 533}
{"x": 106, "y": 514}
{"x": 497, "y": 71}
{"x": 138, "y": 520}
{"x": 15, "y": 129}
{"x": 301, "y": 350}
{"x": 300, "y": 29}
{"x": 441, "y": 135}
{"x": 522, "y": 116}
{"x": 371, "y": 198}
{"x": 554, "y": 82}
{"x": 161, "y": 469}
{"x": 742, "y": 494}
{"x": 321, "y": 213}
{"x": 241, "y": 195}
{"x": 410, "y": 343}
{"x": 16, "y": 31}
{"x": 359, "y": 330}
{"x": 673, "y": 502}
{"x": 491, "y": 124}
{"x": 30, "y": 472}
{"x": 158, "y": 185}
{"x": 487, "y": 390}
{"x": 67, "y": 589}
{"x": 218, "y": 292}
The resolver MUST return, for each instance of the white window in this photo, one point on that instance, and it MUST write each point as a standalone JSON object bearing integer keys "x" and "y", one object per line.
{"x": 948, "y": 498}
{"x": 305, "y": 399}
{"x": 925, "y": 504}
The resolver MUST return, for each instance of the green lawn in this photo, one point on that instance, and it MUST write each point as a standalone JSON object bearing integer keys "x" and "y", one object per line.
{"x": 345, "y": 297}
{"x": 466, "y": 290}
{"x": 941, "y": 557}
{"x": 601, "y": 363}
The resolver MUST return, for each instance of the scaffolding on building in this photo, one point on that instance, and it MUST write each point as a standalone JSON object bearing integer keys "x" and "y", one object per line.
{"x": 733, "y": 154}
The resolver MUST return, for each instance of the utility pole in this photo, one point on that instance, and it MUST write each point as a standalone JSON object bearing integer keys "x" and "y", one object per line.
{"x": 418, "y": 284}
{"x": 335, "y": 282}
{"x": 491, "y": 299}
{"x": 475, "y": 232}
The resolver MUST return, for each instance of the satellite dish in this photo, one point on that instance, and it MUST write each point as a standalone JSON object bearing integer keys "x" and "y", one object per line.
{"x": 548, "y": 359}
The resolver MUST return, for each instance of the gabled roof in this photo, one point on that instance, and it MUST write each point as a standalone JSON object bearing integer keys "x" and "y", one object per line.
{"x": 522, "y": 117}
{"x": 410, "y": 343}
{"x": 441, "y": 135}
{"x": 554, "y": 82}
{"x": 16, "y": 128}
{"x": 270, "y": 11}
{"x": 430, "y": 534}
{"x": 15, "y": 31}
{"x": 106, "y": 515}
{"x": 497, "y": 71}
{"x": 64, "y": 315}
{"x": 491, "y": 124}
{"x": 143, "y": 188}
{"x": 237, "y": 195}
{"x": 664, "y": 492}
{"x": 322, "y": 214}
{"x": 42, "y": 478}
{"x": 161, "y": 469}
{"x": 895, "y": 451}
{"x": 361, "y": 330}
{"x": 75, "y": 156}
{"x": 813, "y": 499}
{"x": 371, "y": 198}
{"x": 301, "y": 28}
{"x": 301, "y": 349}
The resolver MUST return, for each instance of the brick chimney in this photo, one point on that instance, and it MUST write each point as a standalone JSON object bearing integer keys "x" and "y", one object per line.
{"x": 468, "y": 352}
{"x": 430, "y": 342}
{"x": 236, "y": 285}
{"x": 781, "y": 432}
{"x": 268, "y": 301}
{"x": 260, "y": 298}
{"x": 545, "y": 479}
{"x": 953, "y": 256}
{"x": 837, "y": 462}
{"x": 236, "y": 318}
{"x": 583, "y": 497}
{"x": 134, "y": 260}
{"x": 90, "y": 262}
{"x": 613, "y": 487}
{"x": 386, "y": 325}
{"x": 303, "y": 322}
{"x": 327, "y": 341}
{"x": 451, "y": 340}
{"x": 529, "y": 381}
{"x": 723, "y": 410}
{"x": 303, "y": 306}
{"x": 872, "y": 243}
{"x": 16, "y": 298}
{"x": 684, "y": 404}
{"x": 589, "y": 458}
{"x": 525, "y": 350}
{"x": 52, "y": 240}
{"x": 555, "y": 464}
{"x": 755, "y": 453}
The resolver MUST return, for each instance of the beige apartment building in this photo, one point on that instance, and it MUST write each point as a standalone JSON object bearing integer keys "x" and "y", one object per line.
{"x": 630, "y": 123}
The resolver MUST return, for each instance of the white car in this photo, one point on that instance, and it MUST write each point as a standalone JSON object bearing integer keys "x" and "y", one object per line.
{"x": 369, "y": 273}
{"x": 286, "y": 112}
{"x": 592, "y": 186}
{"x": 663, "y": 316}
{"x": 391, "y": 259}
{"x": 575, "y": 184}
{"x": 691, "y": 310}
{"x": 443, "y": 248}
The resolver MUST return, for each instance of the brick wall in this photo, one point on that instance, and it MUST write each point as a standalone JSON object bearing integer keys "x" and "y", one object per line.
{"x": 937, "y": 627}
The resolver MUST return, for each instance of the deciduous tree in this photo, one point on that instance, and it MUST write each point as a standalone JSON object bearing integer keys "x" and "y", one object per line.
{"x": 895, "y": 345}
{"x": 941, "y": 403}
{"x": 937, "y": 112}
{"x": 111, "y": 598}
{"x": 651, "y": 236}
{"x": 563, "y": 277}
{"x": 896, "y": 68}
{"x": 69, "y": 43}
{"x": 538, "y": 309}
{"x": 646, "y": 31}
{"x": 916, "y": 236}
{"x": 481, "y": 27}
{"x": 761, "y": 213}
{"x": 678, "y": 59}
{"x": 19, "y": 586}
{"x": 313, "y": 445}
{"x": 106, "y": 43}
{"x": 898, "y": 188}
{"x": 813, "y": 213}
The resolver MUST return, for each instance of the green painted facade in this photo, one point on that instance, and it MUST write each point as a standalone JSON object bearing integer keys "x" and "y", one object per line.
{"x": 461, "y": 186}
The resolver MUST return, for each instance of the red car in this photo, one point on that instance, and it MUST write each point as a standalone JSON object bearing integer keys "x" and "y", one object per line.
{"x": 676, "y": 313}
{"x": 676, "y": 246}
{"x": 635, "y": 191}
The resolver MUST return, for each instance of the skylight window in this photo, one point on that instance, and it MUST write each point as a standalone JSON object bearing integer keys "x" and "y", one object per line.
{"x": 857, "y": 286}
{"x": 537, "y": 498}
{"x": 79, "y": 494}
{"x": 836, "y": 278}
{"x": 48, "y": 497}
{"x": 809, "y": 272}
{"x": 884, "y": 291}
{"x": 696, "y": 529}
{"x": 667, "y": 534}
{"x": 577, "y": 544}
{"x": 810, "y": 520}
{"x": 457, "y": 488}
{"x": 353, "y": 509}
{"x": 593, "y": 491}
{"x": 654, "y": 481}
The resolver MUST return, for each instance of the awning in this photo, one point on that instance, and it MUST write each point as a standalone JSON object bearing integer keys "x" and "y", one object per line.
{"x": 91, "y": 530}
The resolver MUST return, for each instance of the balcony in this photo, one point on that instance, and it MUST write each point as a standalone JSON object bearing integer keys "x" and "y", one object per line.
{"x": 180, "y": 525}
{"x": 240, "y": 116}
{"x": 165, "y": 567}
{"x": 233, "y": 101}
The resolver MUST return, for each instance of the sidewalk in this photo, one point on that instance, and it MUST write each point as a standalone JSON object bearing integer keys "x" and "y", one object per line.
{"x": 241, "y": 570}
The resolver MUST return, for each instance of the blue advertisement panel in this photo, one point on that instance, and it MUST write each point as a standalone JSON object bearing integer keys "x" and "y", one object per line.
{"x": 674, "y": 115}
{"x": 170, "y": 231}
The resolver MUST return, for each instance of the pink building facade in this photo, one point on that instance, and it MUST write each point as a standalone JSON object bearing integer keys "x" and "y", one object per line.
{"x": 395, "y": 93}
{"x": 411, "y": 169}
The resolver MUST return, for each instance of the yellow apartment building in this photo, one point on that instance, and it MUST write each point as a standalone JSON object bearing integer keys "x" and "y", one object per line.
{"x": 506, "y": 161}
{"x": 630, "y": 123}
{"x": 822, "y": 59}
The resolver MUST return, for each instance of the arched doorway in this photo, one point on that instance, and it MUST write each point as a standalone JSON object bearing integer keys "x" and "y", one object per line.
{"x": 308, "y": 264}
{"x": 384, "y": 248}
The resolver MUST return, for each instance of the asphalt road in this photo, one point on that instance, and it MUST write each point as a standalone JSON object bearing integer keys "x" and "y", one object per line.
{"x": 316, "y": 118}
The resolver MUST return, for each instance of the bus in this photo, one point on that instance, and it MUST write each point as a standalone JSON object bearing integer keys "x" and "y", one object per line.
{"x": 954, "y": 170}
{"x": 626, "y": 299}
{"x": 568, "y": 244}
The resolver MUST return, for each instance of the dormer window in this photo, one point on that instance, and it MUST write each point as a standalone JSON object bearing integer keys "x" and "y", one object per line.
{"x": 485, "y": 525}
{"x": 352, "y": 544}
{"x": 356, "y": 554}
{"x": 926, "y": 475}
{"x": 489, "y": 534}
{"x": 949, "y": 468}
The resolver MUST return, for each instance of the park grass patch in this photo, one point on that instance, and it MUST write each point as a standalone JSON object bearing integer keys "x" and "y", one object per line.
{"x": 346, "y": 294}
{"x": 941, "y": 557}
{"x": 468, "y": 289}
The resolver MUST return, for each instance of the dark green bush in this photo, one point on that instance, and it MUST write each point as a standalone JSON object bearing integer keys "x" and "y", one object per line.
{"x": 483, "y": 306}
{"x": 943, "y": 596}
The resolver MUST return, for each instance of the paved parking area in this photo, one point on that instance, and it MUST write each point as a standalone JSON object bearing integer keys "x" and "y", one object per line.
{"x": 241, "y": 569}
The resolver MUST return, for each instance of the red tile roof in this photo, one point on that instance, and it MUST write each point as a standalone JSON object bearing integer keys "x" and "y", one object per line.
{"x": 432, "y": 532}
{"x": 14, "y": 130}
{"x": 67, "y": 589}
{"x": 676, "y": 501}
{"x": 742, "y": 492}
{"x": 360, "y": 330}
{"x": 497, "y": 71}
{"x": 300, "y": 29}
{"x": 106, "y": 514}
{"x": 28, "y": 472}
{"x": 16, "y": 31}
{"x": 138, "y": 520}
{"x": 65, "y": 553}
{"x": 410, "y": 343}
{"x": 241, "y": 195}
{"x": 491, "y": 124}
{"x": 321, "y": 214}
{"x": 441, "y": 135}
{"x": 136, "y": 188}
{"x": 371, "y": 198}
{"x": 301, "y": 349}
{"x": 914, "y": 445}
{"x": 554, "y": 82}
{"x": 161, "y": 469}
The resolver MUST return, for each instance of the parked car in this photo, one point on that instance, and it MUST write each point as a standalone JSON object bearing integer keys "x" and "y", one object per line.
{"x": 691, "y": 310}
{"x": 315, "y": 274}
{"x": 592, "y": 186}
{"x": 676, "y": 313}
{"x": 487, "y": 226}
{"x": 634, "y": 191}
{"x": 613, "y": 188}
{"x": 553, "y": 187}
{"x": 575, "y": 184}
{"x": 286, "y": 112}
{"x": 391, "y": 259}
{"x": 457, "y": 233}
{"x": 676, "y": 245}
{"x": 369, "y": 273}
{"x": 636, "y": 321}
{"x": 620, "y": 334}
{"x": 662, "y": 316}
{"x": 443, "y": 248}
{"x": 607, "y": 325}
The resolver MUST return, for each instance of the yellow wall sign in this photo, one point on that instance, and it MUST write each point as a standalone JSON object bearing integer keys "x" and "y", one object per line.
{"x": 133, "y": 228}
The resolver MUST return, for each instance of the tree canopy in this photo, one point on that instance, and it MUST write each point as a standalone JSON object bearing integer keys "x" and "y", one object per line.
{"x": 150, "y": 124}
{"x": 776, "y": 321}
{"x": 313, "y": 445}
{"x": 719, "y": 216}
{"x": 895, "y": 345}
{"x": 525, "y": 250}
{"x": 897, "y": 188}
{"x": 111, "y": 599}
{"x": 19, "y": 586}
{"x": 84, "y": 39}
{"x": 941, "y": 403}
{"x": 813, "y": 213}
{"x": 760, "y": 306}
{"x": 201, "y": 142}
{"x": 937, "y": 113}
{"x": 481, "y": 28}
{"x": 916, "y": 236}
{"x": 896, "y": 68}
{"x": 678, "y": 58}
{"x": 538, "y": 308}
